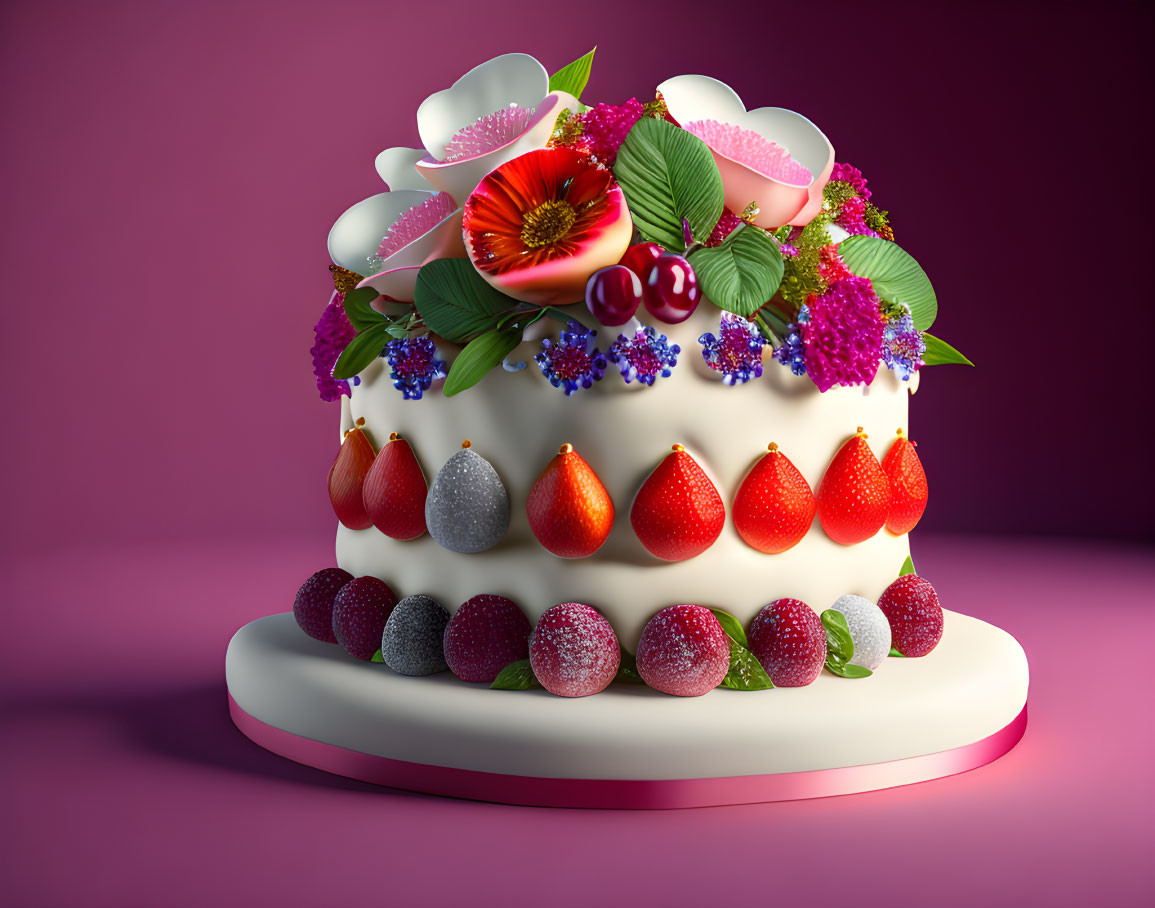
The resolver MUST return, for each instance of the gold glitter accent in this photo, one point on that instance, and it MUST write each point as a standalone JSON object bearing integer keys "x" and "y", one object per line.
{"x": 344, "y": 279}
{"x": 860, "y": 433}
{"x": 565, "y": 449}
{"x": 749, "y": 213}
{"x": 360, "y": 421}
{"x": 566, "y": 128}
{"x": 467, "y": 444}
{"x": 678, "y": 448}
{"x": 655, "y": 108}
{"x": 547, "y": 223}
{"x": 393, "y": 436}
{"x": 772, "y": 447}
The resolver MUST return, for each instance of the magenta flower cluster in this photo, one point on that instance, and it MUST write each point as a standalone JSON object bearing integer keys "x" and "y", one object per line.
{"x": 848, "y": 173}
{"x": 331, "y": 336}
{"x": 604, "y": 128}
{"x": 842, "y": 335}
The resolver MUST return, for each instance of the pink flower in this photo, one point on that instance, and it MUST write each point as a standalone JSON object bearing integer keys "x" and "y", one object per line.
{"x": 331, "y": 336}
{"x": 842, "y": 334}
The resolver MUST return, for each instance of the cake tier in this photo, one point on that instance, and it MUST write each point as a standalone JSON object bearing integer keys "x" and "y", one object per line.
{"x": 913, "y": 719}
{"x": 517, "y": 421}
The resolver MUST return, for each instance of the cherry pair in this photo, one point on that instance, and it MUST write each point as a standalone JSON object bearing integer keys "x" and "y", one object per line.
{"x": 664, "y": 282}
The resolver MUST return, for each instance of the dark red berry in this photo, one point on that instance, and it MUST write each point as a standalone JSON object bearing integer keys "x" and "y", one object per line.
{"x": 787, "y": 637}
{"x": 485, "y": 634}
{"x": 640, "y": 258}
{"x": 574, "y": 652}
{"x": 912, "y": 608}
{"x": 359, "y": 615}
{"x": 683, "y": 651}
{"x": 613, "y": 295}
{"x": 313, "y": 607}
{"x": 671, "y": 289}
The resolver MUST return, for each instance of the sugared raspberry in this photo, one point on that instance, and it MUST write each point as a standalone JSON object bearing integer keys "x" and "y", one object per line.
{"x": 485, "y": 634}
{"x": 359, "y": 615}
{"x": 313, "y": 607}
{"x": 868, "y": 629}
{"x": 912, "y": 608}
{"x": 412, "y": 642}
{"x": 787, "y": 637}
{"x": 684, "y": 651}
{"x": 574, "y": 651}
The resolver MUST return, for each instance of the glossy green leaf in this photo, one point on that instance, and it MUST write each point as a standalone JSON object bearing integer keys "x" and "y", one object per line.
{"x": 361, "y": 314}
{"x": 479, "y": 356}
{"x": 895, "y": 652}
{"x": 746, "y": 672}
{"x": 669, "y": 175}
{"x": 628, "y": 668}
{"x": 907, "y": 567}
{"x": 839, "y": 643}
{"x": 573, "y": 78}
{"x": 741, "y": 274}
{"x": 731, "y": 625}
{"x": 940, "y": 353}
{"x": 456, "y": 302}
{"x": 362, "y": 350}
{"x": 515, "y": 676}
{"x": 896, "y": 276}
{"x": 848, "y": 671}
{"x": 377, "y": 657}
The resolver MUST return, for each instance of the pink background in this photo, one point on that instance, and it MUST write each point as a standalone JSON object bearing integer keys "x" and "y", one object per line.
{"x": 171, "y": 172}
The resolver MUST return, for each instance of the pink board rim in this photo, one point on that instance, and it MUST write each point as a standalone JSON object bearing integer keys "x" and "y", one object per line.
{"x": 626, "y": 794}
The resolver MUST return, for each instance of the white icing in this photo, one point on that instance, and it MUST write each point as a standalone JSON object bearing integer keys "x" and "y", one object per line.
{"x": 969, "y": 687}
{"x": 517, "y": 421}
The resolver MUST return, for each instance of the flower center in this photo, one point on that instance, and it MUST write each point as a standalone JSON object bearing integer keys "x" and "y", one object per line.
{"x": 547, "y": 223}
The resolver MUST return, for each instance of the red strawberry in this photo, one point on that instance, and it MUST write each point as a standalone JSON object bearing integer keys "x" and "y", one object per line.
{"x": 574, "y": 651}
{"x": 683, "y": 651}
{"x": 774, "y": 506}
{"x": 678, "y": 513}
{"x": 569, "y": 510}
{"x": 911, "y": 606}
{"x": 485, "y": 634}
{"x": 854, "y": 496}
{"x": 395, "y": 490}
{"x": 359, "y": 614}
{"x": 347, "y": 478}
{"x": 908, "y": 489}
{"x": 789, "y": 640}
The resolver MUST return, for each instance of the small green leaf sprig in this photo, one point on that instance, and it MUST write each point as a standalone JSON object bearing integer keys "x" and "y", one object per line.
{"x": 746, "y": 672}
{"x": 840, "y": 647}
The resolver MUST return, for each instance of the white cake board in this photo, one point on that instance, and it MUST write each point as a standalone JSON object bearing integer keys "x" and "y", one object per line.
{"x": 960, "y": 707}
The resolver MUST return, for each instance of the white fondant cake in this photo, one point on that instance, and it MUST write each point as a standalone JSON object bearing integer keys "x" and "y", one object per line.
{"x": 517, "y": 421}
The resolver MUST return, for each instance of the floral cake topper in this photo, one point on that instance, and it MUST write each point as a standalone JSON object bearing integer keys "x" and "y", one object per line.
{"x": 525, "y": 202}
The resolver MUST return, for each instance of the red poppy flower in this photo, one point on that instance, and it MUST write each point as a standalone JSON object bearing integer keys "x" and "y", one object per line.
{"x": 538, "y": 226}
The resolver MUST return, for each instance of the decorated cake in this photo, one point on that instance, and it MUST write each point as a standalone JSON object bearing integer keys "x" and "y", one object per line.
{"x": 624, "y": 394}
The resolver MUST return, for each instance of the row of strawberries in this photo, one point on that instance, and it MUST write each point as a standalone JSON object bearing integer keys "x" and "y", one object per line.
{"x": 677, "y": 514}
{"x": 685, "y": 650}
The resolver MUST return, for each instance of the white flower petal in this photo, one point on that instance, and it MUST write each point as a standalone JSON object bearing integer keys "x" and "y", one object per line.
{"x": 497, "y": 83}
{"x": 397, "y": 170}
{"x": 358, "y": 232}
{"x": 459, "y": 178}
{"x": 398, "y": 283}
{"x": 701, "y": 98}
{"x": 441, "y": 242}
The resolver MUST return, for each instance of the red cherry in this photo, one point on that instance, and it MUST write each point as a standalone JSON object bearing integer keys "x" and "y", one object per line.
{"x": 640, "y": 258}
{"x": 671, "y": 291}
{"x": 613, "y": 295}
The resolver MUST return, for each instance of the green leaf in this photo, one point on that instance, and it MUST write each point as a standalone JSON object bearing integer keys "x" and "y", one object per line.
{"x": 377, "y": 657}
{"x": 478, "y": 357}
{"x": 907, "y": 567}
{"x": 456, "y": 302}
{"x": 839, "y": 643}
{"x": 896, "y": 276}
{"x": 515, "y": 676}
{"x": 940, "y": 353}
{"x": 628, "y": 668}
{"x": 362, "y": 350}
{"x": 848, "y": 671}
{"x": 398, "y": 331}
{"x": 361, "y": 314}
{"x": 573, "y": 78}
{"x": 732, "y": 626}
{"x": 895, "y": 652}
{"x": 669, "y": 174}
{"x": 741, "y": 274}
{"x": 746, "y": 672}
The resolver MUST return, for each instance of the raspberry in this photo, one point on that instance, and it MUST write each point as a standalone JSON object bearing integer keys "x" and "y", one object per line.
{"x": 788, "y": 639}
{"x": 911, "y": 606}
{"x": 574, "y": 651}
{"x": 485, "y": 634}
{"x": 313, "y": 607}
{"x": 683, "y": 651}
{"x": 411, "y": 644}
{"x": 359, "y": 615}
